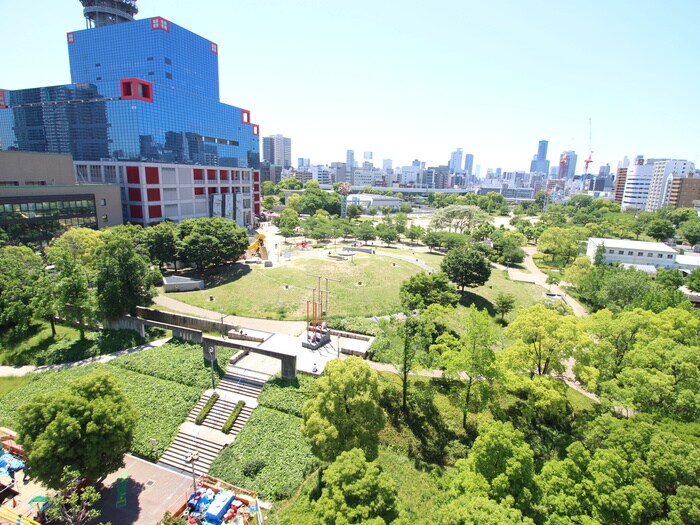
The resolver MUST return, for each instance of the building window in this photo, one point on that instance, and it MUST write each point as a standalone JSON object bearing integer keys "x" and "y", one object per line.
{"x": 611, "y": 251}
{"x": 630, "y": 252}
{"x": 167, "y": 61}
{"x": 169, "y": 75}
{"x": 621, "y": 252}
{"x": 660, "y": 256}
{"x": 149, "y": 59}
{"x": 640, "y": 254}
{"x": 669, "y": 256}
{"x": 104, "y": 218}
{"x": 650, "y": 254}
{"x": 103, "y": 202}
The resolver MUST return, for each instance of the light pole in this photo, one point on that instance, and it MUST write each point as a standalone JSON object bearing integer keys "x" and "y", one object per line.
{"x": 223, "y": 330}
{"x": 212, "y": 356}
{"x": 191, "y": 458}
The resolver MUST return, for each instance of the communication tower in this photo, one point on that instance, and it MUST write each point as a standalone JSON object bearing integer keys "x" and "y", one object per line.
{"x": 99, "y": 13}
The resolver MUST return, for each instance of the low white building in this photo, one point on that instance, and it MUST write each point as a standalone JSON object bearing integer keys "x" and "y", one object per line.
{"x": 637, "y": 253}
{"x": 367, "y": 200}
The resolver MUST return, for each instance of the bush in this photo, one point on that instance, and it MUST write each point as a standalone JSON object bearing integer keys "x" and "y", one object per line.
{"x": 287, "y": 395}
{"x": 359, "y": 325}
{"x": 228, "y": 424}
{"x": 94, "y": 344}
{"x": 275, "y": 439}
{"x": 204, "y": 412}
{"x": 254, "y": 466}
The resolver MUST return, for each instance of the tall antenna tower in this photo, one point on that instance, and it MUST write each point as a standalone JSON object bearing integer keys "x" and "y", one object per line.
{"x": 99, "y": 13}
{"x": 589, "y": 160}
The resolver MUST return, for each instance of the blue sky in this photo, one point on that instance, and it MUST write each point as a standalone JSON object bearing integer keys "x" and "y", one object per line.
{"x": 416, "y": 79}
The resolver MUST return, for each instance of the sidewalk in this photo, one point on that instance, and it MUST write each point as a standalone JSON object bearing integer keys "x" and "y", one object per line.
{"x": 18, "y": 371}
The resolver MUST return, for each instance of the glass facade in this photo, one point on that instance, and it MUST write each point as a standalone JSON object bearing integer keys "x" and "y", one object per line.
{"x": 146, "y": 90}
{"x": 38, "y": 219}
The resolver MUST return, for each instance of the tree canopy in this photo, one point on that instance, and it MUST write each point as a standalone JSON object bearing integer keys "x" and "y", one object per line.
{"x": 86, "y": 428}
{"x": 466, "y": 267}
{"x": 345, "y": 413}
{"x": 422, "y": 290}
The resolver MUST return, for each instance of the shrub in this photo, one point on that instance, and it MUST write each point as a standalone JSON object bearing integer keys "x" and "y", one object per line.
{"x": 204, "y": 412}
{"x": 287, "y": 395}
{"x": 94, "y": 344}
{"x": 254, "y": 466}
{"x": 358, "y": 325}
{"x": 228, "y": 424}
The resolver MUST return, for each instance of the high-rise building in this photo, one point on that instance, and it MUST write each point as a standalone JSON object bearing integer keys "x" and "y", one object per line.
{"x": 302, "y": 162}
{"x": 387, "y": 165}
{"x": 637, "y": 184}
{"x": 539, "y": 163}
{"x": 143, "y": 91}
{"x": 455, "y": 164}
{"x": 567, "y": 165}
{"x": 619, "y": 185}
{"x": 277, "y": 149}
{"x": 665, "y": 170}
{"x": 469, "y": 164}
{"x": 684, "y": 191}
{"x": 350, "y": 167}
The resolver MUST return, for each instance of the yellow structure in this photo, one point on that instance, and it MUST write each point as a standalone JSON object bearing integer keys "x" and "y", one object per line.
{"x": 258, "y": 247}
{"x": 6, "y": 513}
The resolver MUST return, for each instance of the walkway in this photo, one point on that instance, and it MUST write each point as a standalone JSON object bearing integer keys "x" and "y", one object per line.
{"x": 207, "y": 440}
{"x": 253, "y": 323}
{"x": 18, "y": 371}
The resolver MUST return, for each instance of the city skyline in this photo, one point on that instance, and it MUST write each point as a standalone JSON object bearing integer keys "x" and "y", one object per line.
{"x": 595, "y": 60}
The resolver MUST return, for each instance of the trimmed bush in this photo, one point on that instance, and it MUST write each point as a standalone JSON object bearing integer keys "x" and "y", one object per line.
{"x": 228, "y": 425}
{"x": 206, "y": 409}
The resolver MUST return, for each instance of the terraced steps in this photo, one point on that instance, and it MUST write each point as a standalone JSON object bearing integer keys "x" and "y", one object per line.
{"x": 238, "y": 384}
{"x": 219, "y": 414}
{"x": 184, "y": 444}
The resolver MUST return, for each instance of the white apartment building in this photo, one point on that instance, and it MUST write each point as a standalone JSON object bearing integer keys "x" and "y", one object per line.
{"x": 662, "y": 177}
{"x": 153, "y": 192}
{"x": 639, "y": 176}
{"x": 323, "y": 174}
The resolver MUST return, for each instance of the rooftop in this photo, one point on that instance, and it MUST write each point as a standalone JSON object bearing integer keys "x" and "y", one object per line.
{"x": 626, "y": 244}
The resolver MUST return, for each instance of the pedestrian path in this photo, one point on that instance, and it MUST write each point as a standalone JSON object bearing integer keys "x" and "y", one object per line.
{"x": 196, "y": 446}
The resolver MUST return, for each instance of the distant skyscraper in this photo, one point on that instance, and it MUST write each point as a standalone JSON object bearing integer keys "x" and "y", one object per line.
{"x": 303, "y": 163}
{"x": 387, "y": 164}
{"x": 539, "y": 162}
{"x": 468, "y": 163}
{"x": 567, "y": 165}
{"x": 350, "y": 166}
{"x": 277, "y": 150}
{"x": 455, "y": 165}
{"x": 368, "y": 155}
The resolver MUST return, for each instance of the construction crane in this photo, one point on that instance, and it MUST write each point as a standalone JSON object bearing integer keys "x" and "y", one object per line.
{"x": 588, "y": 161}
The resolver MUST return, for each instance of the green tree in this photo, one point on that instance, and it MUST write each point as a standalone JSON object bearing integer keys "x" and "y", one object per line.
{"x": 354, "y": 211}
{"x": 268, "y": 202}
{"x": 414, "y": 335}
{"x": 124, "y": 277}
{"x": 563, "y": 243}
{"x": 268, "y": 188}
{"x": 86, "y": 428}
{"x": 290, "y": 183}
{"x": 288, "y": 222}
{"x": 422, "y": 289}
{"x": 671, "y": 278}
{"x": 504, "y": 304}
{"x": 356, "y": 491}
{"x": 458, "y": 218}
{"x": 660, "y": 229}
{"x": 387, "y": 234}
{"x": 75, "y": 301}
{"x": 543, "y": 340}
{"x": 431, "y": 240}
{"x": 466, "y": 266}
{"x": 472, "y": 358}
{"x": 365, "y": 232}
{"x": 405, "y": 207}
{"x": 500, "y": 465}
{"x": 415, "y": 233}
{"x": 163, "y": 242}
{"x": 76, "y": 243}
{"x": 20, "y": 278}
{"x": 479, "y": 510}
{"x": 74, "y": 505}
{"x": 345, "y": 413}
{"x": 690, "y": 230}
{"x": 693, "y": 280}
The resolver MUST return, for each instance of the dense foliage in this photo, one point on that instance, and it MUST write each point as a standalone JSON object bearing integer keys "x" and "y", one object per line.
{"x": 270, "y": 455}
{"x": 466, "y": 267}
{"x": 85, "y": 428}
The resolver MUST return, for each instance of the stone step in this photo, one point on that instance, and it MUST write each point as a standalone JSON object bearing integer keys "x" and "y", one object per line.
{"x": 183, "y": 445}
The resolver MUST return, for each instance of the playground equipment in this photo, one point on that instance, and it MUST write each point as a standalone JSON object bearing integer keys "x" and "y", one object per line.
{"x": 304, "y": 245}
{"x": 258, "y": 247}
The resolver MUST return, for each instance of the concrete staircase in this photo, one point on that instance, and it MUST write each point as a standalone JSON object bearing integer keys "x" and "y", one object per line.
{"x": 206, "y": 439}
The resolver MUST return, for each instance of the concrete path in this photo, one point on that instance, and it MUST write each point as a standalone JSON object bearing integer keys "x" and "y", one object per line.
{"x": 266, "y": 325}
{"x": 17, "y": 371}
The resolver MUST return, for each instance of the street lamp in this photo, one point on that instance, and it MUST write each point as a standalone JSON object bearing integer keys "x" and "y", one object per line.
{"x": 223, "y": 330}
{"x": 191, "y": 458}
{"x": 212, "y": 356}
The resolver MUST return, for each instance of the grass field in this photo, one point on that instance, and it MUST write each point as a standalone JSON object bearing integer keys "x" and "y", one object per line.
{"x": 282, "y": 292}
{"x": 25, "y": 351}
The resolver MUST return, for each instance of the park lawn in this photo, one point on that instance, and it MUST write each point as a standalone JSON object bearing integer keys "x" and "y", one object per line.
{"x": 282, "y": 292}
{"x": 25, "y": 351}
{"x": 161, "y": 405}
{"x": 526, "y": 294}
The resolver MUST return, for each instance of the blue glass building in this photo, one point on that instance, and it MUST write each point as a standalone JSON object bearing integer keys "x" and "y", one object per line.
{"x": 143, "y": 90}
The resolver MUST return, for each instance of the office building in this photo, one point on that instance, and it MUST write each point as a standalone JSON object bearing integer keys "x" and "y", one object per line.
{"x": 539, "y": 163}
{"x": 665, "y": 171}
{"x": 303, "y": 163}
{"x": 455, "y": 164}
{"x": 277, "y": 149}
{"x": 142, "y": 91}
{"x": 39, "y": 198}
{"x": 684, "y": 191}
{"x": 350, "y": 167}
{"x": 567, "y": 165}
{"x": 387, "y": 165}
{"x": 637, "y": 184}
{"x": 469, "y": 164}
